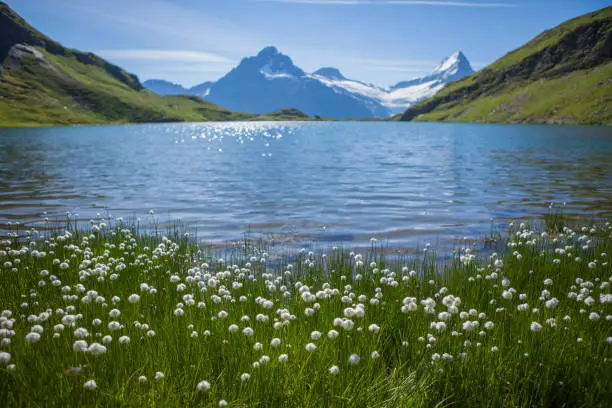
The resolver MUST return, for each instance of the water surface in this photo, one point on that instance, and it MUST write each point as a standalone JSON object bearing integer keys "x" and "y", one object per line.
{"x": 406, "y": 183}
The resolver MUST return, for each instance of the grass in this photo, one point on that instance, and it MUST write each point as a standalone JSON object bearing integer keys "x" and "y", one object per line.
{"x": 501, "y": 364}
{"x": 581, "y": 97}
{"x": 60, "y": 90}
{"x": 561, "y": 76}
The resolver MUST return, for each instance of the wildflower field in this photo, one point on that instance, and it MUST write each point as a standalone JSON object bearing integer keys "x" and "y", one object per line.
{"x": 114, "y": 317}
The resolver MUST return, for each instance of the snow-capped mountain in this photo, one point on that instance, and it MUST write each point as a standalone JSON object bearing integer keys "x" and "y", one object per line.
{"x": 404, "y": 94}
{"x": 271, "y": 81}
{"x": 163, "y": 87}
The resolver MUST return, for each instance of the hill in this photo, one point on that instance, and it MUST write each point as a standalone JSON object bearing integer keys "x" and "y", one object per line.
{"x": 564, "y": 75}
{"x": 45, "y": 83}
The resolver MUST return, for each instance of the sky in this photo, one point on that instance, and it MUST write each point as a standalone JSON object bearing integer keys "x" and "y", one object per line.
{"x": 378, "y": 41}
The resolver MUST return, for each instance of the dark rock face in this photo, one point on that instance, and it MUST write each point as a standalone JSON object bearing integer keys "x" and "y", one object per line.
{"x": 584, "y": 47}
{"x": 15, "y": 30}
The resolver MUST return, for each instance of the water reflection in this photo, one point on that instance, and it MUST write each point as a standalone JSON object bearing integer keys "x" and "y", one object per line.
{"x": 406, "y": 183}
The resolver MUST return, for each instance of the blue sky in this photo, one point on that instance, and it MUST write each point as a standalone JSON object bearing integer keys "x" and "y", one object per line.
{"x": 379, "y": 41}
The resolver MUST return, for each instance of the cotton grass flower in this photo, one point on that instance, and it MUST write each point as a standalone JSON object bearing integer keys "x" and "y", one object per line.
{"x": 80, "y": 346}
{"x": 245, "y": 377}
{"x": 334, "y": 370}
{"x": 310, "y": 347}
{"x": 535, "y": 327}
{"x": 96, "y": 349}
{"x": 32, "y": 337}
{"x": 275, "y": 342}
{"x": 90, "y": 385}
{"x": 4, "y": 357}
{"x": 354, "y": 359}
{"x": 203, "y": 386}
{"x": 142, "y": 379}
{"x": 283, "y": 358}
{"x": 158, "y": 376}
{"x": 133, "y": 298}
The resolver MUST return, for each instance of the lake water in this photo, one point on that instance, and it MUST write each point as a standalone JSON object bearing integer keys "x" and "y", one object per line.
{"x": 404, "y": 183}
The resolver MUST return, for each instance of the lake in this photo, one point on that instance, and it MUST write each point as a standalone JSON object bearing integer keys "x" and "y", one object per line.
{"x": 403, "y": 183}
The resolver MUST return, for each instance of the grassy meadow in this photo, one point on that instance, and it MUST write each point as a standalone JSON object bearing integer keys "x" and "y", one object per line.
{"x": 112, "y": 315}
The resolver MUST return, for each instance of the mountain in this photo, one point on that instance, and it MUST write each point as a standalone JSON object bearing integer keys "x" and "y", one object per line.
{"x": 563, "y": 75}
{"x": 163, "y": 87}
{"x": 43, "y": 82}
{"x": 270, "y": 81}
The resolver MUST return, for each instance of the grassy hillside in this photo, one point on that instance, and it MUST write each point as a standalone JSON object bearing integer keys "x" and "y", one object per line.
{"x": 561, "y": 76}
{"x": 44, "y": 83}
{"x": 284, "y": 114}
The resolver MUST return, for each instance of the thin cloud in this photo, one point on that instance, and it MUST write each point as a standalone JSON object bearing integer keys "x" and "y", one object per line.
{"x": 165, "y": 55}
{"x": 392, "y": 2}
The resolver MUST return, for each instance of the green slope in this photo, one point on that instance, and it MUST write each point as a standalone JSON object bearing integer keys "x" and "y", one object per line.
{"x": 564, "y": 75}
{"x": 44, "y": 83}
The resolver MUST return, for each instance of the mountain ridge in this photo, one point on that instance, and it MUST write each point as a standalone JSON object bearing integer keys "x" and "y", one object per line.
{"x": 243, "y": 88}
{"x": 44, "y": 83}
{"x": 561, "y": 76}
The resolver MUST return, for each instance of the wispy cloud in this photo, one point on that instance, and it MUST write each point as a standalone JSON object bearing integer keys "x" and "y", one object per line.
{"x": 393, "y": 2}
{"x": 165, "y": 55}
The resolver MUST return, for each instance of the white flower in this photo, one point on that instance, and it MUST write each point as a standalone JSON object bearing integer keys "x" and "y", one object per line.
{"x": 535, "y": 327}
{"x": 375, "y": 355}
{"x": 374, "y": 328}
{"x": 258, "y": 346}
{"x": 80, "y": 346}
{"x": 96, "y": 349}
{"x": 32, "y": 337}
{"x": 354, "y": 359}
{"x": 37, "y": 329}
{"x": 81, "y": 333}
{"x": 222, "y": 403}
{"x": 247, "y": 331}
{"x": 159, "y": 376}
{"x": 90, "y": 385}
{"x": 142, "y": 379}
{"x": 593, "y": 316}
{"x": 435, "y": 357}
{"x": 332, "y": 334}
{"x": 489, "y": 325}
{"x": 283, "y": 358}
{"x": 311, "y": 347}
{"x": 245, "y": 377}
{"x": 133, "y": 298}
{"x": 552, "y": 303}
{"x": 4, "y": 357}
{"x": 334, "y": 370}
{"x": 124, "y": 340}
{"x": 275, "y": 342}
{"x": 114, "y": 325}
{"x": 232, "y": 328}
{"x": 115, "y": 313}
{"x": 203, "y": 386}
{"x": 315, "y": 335}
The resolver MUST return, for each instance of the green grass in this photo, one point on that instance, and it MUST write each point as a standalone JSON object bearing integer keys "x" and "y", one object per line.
{"x": 284, "y": 114}
{"x": 506, "y": 365}
{"x": 548, "y": 38}
{"x": 562, "y": 76}
{"x": 581, "y": 97}
{"x": 72, "y": 92}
